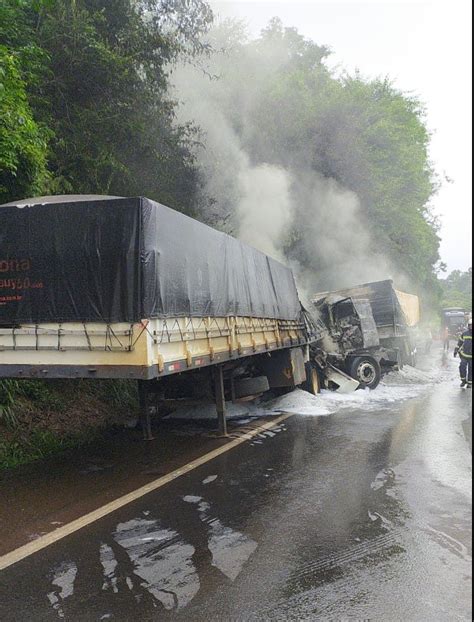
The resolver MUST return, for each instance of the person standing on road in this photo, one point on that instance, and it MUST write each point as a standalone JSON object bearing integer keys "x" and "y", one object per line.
{"x": 446, "y": 338}
{"x": 464, "y": 349}
{"x": 429, "y": 341}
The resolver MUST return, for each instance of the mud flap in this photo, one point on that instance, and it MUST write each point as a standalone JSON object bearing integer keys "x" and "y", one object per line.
{"x": 345, "y": 383}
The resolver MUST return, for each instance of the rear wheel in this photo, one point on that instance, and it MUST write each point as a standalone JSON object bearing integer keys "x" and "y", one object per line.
{"x": 312, "y": 384}
{"x": 366, "y": 370}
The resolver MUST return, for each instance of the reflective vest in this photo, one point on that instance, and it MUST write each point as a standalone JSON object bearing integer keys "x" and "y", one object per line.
{"x": 465, "y": 344}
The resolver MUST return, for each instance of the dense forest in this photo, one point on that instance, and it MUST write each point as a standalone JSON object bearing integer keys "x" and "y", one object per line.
{"x": 328, "y": 171}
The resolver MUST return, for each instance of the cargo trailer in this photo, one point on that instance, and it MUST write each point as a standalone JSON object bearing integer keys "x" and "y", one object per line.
{"x": 111, "y": 287}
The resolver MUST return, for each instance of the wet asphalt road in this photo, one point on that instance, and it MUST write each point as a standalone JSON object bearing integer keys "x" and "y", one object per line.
{"x": 361, "y": 515}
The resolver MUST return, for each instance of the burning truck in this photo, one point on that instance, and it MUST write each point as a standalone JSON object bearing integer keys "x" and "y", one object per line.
{"x": 111, "y": 287}
{"x": 365, "y": 331}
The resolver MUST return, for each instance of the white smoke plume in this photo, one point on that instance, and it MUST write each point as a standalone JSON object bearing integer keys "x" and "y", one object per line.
{"x": 335, "y": 236}
{"x": 264, "y": 208}
{"x": 251, "y": 201}
{"x": 263, "y": 204}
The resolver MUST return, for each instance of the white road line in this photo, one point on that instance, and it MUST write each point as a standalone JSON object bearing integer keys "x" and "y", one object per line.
{"x": 66, "y": 530}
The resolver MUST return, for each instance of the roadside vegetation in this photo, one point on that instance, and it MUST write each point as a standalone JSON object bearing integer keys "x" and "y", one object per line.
{"x": 457, "y": 290}
{"x": 87, "y": 105}
{"x": 41, "y": 418}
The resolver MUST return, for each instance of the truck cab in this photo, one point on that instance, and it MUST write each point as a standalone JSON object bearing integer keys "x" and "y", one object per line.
{"x": 368, "y": 329}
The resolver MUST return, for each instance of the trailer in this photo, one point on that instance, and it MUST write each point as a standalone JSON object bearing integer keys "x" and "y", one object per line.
{"x": 366, "y": 330}
{"x": 111, "y": 287}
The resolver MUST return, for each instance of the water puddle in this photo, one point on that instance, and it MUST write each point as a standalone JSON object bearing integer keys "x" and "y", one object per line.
{"x": 209, "y": 480}
{"x": 63, "y": 578}
{"x": 230, "y": 549}
{"x": 110, "y": 565}
{"x": 161, "y": 559}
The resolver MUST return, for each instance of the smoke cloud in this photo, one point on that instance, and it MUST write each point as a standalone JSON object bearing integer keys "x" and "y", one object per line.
{"x": 287, "y": 210}
{"x": 264, "y": 209}
{"x": 335, "y": 238}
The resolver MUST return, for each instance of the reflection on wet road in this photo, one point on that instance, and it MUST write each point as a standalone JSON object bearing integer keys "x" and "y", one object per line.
{"x": 362, "y": 513}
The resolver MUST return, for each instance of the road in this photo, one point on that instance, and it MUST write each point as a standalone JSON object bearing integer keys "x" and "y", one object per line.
{"x": 359, "y": 511}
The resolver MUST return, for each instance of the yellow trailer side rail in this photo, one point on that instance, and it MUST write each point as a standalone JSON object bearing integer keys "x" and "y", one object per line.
{"x": 149, "y": 349}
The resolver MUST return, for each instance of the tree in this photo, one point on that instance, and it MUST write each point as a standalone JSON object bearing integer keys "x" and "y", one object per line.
{"x": 103, "y": 92}
{"x": 457, "y": 290}
{"x": 23, "y": 144}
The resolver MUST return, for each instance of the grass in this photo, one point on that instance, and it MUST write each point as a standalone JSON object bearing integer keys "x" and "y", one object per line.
{"x": 42, "y": 418}
{"x": 40, "y": 445}
{"x": 8, "y": 393}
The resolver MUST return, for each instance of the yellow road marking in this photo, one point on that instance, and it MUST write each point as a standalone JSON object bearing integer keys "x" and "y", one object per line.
{"x": 66, "y": 530}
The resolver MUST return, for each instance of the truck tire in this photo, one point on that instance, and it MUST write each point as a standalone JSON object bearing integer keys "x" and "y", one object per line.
{"x": 367, "y": 371}
{"x": 313, "y": 383}
{"x": 247, "y": 387}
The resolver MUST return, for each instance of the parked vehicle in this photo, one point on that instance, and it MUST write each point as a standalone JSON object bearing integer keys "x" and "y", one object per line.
{"x": 455, "y": 320}
{"x": 366, "y": 330}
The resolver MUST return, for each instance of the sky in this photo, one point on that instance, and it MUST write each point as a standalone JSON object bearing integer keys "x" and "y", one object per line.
{"x": 425, "y": 47}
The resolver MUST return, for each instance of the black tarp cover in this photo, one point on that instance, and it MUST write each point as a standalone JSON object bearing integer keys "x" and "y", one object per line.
{"x": 124, "y": 260}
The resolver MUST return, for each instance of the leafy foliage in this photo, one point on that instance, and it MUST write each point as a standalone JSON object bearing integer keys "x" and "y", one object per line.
{"x": 39, "y": 418}
{"x": 103, "y": 92}
{"x": 457, "y": 290}
{"x": 8, "y": 392}
{"x": 23, "y": 143}
{"x": 11, "y": 391}
{"x": 40, "y": 445}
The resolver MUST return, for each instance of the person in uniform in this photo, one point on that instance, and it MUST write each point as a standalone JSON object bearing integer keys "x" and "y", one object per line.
{"x": 464, "y": 349}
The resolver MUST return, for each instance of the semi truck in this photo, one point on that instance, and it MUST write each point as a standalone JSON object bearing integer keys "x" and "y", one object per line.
{"x": 366, "y": 330}
{"x": 111, "y": 287}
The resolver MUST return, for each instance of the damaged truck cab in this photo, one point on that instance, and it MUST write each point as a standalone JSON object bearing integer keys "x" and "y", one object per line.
{"x": 365, "y": 331}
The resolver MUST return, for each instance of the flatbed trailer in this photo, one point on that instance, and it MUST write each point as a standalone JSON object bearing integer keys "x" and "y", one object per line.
{"x": 106, "y": 287}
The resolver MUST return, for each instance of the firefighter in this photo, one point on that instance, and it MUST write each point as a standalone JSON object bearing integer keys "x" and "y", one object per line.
{"x": 464, "y": 349}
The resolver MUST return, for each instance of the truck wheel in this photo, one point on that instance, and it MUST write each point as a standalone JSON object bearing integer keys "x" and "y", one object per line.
{"x": 366, "y": 370}
{"x": 246, "y": 387}
{"x": 312, "y": 384}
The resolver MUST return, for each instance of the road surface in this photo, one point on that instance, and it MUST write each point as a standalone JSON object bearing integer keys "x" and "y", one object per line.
{"x": 357, "y": 509}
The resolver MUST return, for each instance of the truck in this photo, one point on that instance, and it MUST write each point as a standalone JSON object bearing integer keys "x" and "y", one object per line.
{"x": 365, "y": 330}
{"x": 455, "y": 320}
{"x": 112, "y": 287}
